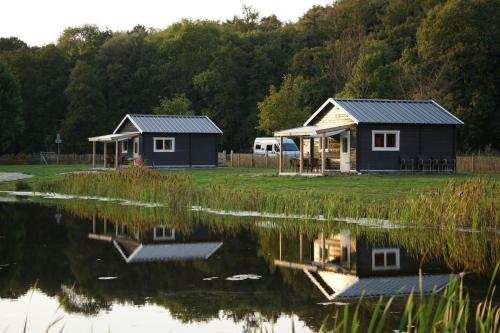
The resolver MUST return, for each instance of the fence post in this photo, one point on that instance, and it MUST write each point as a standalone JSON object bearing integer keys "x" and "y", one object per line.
{"x": 232, "y": 158}
{"x": 472, "y": 163}
{"x": 267, "y": 161}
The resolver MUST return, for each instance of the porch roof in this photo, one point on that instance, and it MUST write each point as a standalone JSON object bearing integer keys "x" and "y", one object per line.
{"x": 314, "y": 131}
{"x": 114, "y": 137}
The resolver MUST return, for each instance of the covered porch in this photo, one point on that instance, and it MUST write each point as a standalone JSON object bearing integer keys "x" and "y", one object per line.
{"x": 322, "y": 150}
{"x": 115, "y": 140}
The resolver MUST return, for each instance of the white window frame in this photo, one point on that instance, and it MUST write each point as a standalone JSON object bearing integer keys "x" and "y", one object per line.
{"x": 160, "y": 233}
{"x": 385, "y": 251}
{"x": 385, "y": 148}
{"x": 156, "y": 138}
{"x": 124, "y": 151}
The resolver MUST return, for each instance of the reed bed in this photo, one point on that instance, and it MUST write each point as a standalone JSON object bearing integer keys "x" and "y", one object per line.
{"x": 469, "y": 204}
{"x": 134, "y": 183}
{"x": 449, "y": 311}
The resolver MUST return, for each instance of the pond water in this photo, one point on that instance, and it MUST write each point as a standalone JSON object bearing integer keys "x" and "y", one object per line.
{"x": 98, "y": 267}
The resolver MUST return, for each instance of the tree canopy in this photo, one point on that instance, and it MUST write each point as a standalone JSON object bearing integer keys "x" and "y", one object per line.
{"x": 254, "y": 74}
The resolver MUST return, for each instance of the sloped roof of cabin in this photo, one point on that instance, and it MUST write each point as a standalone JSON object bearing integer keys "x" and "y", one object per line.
{"x": 166, "y": 252}
{"x": 389, "y": 111}
{"x": 146, "y": 123}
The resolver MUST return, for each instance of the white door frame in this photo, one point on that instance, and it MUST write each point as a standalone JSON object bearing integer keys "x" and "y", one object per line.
{"x": 345, "y": 158}
{"x": 134, "y": 153}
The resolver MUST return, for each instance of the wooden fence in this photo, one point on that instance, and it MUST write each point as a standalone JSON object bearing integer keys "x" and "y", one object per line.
{"x": 465, "y": 163}
{"x": 49, "y": 158}
{"x": 468, "y": 164}
{"x": 478, "y": 164}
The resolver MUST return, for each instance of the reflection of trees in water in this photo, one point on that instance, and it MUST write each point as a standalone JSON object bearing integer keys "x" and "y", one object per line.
{"x": 250, "y": 246}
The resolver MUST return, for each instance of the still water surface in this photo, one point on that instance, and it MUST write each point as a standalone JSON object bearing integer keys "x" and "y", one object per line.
{"x": 99, "y": 267}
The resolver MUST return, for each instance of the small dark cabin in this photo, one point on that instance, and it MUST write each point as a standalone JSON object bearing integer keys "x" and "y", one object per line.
{"x": 356, "y": 135}
{"x": 163, "y": 141}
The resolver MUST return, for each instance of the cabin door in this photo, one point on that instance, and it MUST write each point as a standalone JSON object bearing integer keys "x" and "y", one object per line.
{"x": 136, "y": 147}
{"x": 345, "y": 151}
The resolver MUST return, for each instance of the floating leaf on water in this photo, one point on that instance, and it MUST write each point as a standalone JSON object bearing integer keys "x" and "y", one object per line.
{"x": 241, "y": 277}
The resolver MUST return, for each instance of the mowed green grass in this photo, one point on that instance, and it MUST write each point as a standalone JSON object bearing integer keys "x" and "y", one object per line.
{"x": 373, "y": 187}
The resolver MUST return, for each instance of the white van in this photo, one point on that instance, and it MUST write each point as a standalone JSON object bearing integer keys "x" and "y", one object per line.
{"x": 271, "y": 147}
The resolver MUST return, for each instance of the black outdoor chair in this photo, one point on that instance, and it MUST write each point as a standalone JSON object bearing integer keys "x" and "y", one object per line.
{"x": 328, "y": 164}
{"x": 423, "y": 163}
{"x": 435, "y": 164}
{"x": 446, "y": 163}
{"x": 295, "y": 164}
{"x": 406, "y": 163}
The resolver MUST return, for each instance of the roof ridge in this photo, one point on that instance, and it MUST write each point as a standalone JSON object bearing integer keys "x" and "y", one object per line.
{"x": 165, "y": 115}
{"x": 385, "y": 100}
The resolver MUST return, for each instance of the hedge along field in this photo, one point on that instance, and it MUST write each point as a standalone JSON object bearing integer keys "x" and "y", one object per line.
{"x": 471, "y": 203}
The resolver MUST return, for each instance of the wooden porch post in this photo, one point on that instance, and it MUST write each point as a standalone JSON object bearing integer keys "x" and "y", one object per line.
{"x": 282, "y": 161}
{"x": 93, "y": 154}
{"x": 105, "y": 154}
{"x": 301, "y": 244}
{"x": 323, "y": 141}
{"x": 323, "y": 245}
{"x": 280, "y": 246}
{"x": 116, "y": 155}
{"x": 301, "y": 170}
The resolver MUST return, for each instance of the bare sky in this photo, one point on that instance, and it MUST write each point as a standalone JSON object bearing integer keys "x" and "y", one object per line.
{"x": 39, "y": 22}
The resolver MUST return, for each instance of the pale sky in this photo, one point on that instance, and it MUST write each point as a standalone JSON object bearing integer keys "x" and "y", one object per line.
{"x": 39, "y": 22}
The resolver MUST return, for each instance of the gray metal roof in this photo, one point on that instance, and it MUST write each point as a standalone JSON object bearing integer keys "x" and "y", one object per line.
{"x": 394, "y": 286}
{"x": 397, "y": 111}
{"x": 168, "y": 252}
{"x": 146, "y": 123}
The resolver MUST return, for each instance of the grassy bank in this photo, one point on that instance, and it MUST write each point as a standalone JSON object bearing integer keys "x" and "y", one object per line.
{"x": 432, "y": 200}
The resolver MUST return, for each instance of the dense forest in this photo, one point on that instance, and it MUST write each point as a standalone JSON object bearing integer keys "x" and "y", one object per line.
{"x": 255, "y": 74}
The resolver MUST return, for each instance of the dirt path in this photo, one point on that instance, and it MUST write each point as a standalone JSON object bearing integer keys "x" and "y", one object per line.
{"x": 8, "y": 176}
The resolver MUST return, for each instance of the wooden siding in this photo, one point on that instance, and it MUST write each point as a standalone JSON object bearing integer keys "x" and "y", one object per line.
{"x": 353, "y": 147}
{"x": 332, "y": 116}
{"x": 425, "y": 140}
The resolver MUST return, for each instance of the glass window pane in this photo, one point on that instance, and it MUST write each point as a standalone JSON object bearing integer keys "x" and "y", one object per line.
{"x": 344, "y": 145}
{"x": 391, "y": 140}
{"x": 269, "y": 147}
{"x": 379, "y": 260}
{"x": 159, "y": 144}
{"x": 168, "y": 144}
{"x": 379, "y": 140}
{"x": 391, "y": 258}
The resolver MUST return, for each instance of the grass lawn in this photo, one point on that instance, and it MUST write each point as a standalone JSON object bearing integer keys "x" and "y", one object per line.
{"x": 376, "y": 187}
{"x": 41, "y": 172}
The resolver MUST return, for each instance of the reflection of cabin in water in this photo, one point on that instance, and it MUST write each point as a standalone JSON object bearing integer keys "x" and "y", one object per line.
{"x": 343, "y": 266}
{"x": 158, "y": 243}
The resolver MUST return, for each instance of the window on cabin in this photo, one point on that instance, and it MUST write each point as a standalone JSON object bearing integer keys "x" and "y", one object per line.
{"x": 344, "y": 145}
{"x": 257, "y": 147}
{"x": 385, "y": 259}
{"x": 164, "y": 145}
{"x": 269, "y": 147}
{"x": 385, "y": 140}
{"x": 124, "y": 147}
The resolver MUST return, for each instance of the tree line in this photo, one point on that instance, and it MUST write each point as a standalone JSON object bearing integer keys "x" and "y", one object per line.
{"x": 254, "y": 74}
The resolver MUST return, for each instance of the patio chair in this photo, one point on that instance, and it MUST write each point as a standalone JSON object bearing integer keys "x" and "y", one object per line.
{"x": 423, "y": 163}
{"x": 435, "y": 164}
{"x": 405, "y": 163}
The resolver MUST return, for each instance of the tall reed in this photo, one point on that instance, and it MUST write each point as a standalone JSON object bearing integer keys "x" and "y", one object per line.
{"x": 135, "y": 183}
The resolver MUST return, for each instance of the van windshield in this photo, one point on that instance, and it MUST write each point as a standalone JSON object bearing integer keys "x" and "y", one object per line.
{"x": 291, "y": 147}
